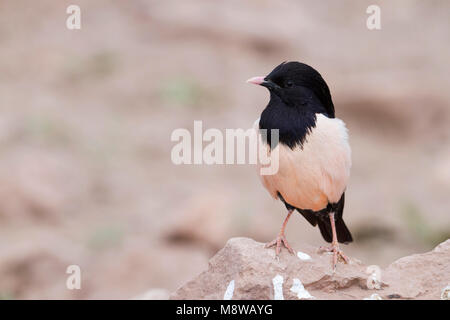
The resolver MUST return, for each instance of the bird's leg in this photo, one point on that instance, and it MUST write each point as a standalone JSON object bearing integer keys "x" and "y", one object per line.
{"x": 337, "y": 253}
{"x": 281, "y": 239}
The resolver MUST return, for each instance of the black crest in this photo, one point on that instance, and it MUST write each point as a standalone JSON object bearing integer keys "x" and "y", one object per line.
{"x": 305, "y": 76}
{"x": 297, "y": 93}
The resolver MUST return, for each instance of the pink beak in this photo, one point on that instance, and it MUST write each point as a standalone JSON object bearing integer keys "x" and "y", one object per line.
{"x": 256, "y": 80}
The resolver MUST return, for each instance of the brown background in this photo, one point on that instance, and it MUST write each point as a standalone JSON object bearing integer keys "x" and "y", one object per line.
{"x": 86, "y": 117}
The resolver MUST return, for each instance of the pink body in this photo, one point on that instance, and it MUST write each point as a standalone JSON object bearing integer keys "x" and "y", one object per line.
{"x": 312, "y": 176}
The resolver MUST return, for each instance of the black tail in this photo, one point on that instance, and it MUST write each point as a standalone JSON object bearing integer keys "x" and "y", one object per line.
{"x": 321, "y": 218}
{"x": 343, "y": 234}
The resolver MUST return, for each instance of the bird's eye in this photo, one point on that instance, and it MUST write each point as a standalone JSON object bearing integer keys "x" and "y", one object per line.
{"x": 289, "y": 84}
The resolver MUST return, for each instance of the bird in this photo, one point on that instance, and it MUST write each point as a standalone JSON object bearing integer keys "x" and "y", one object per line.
{"x": 313, "y": 150}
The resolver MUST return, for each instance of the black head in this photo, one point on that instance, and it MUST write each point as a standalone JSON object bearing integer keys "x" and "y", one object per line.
{"x": 299, "y": 86}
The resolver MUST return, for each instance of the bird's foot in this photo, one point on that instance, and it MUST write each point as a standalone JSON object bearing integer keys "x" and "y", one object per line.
{"x": 280, "y": 240}
{"x": 338, "y": 255}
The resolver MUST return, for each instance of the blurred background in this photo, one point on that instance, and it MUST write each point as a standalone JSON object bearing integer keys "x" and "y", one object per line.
{"x": 86, "y": 117}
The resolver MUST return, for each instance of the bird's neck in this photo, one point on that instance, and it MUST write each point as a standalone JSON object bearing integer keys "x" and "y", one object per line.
{"x": 293, "y": 124}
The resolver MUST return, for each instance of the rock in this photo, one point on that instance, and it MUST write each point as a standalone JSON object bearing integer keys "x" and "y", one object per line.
{"x": 153, "y": 294}
{"x": 420, "y": 276}
{"x": 244, "y": 269}
{"x": 445, "y": 295}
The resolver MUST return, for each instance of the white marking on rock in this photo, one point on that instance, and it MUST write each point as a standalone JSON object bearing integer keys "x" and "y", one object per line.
{"x": 229, "y": 292}
{"x": 299, "y": 289}
{"x": 278, "y": 287}
{"x": 374, "y": 296}
{"x": 445, "y": 295}
{"x": 303, "y": 256}
{"x": 374, "y": 279}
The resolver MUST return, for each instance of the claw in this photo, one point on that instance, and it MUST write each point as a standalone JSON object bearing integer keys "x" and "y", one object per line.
{"x": 338, "y": 255}
{"x": 280, "y": 240}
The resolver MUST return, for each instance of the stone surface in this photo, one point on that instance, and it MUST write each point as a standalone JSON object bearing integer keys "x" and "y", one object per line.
{"x": 258, "y": 274}
{"x": 153, "y": 294}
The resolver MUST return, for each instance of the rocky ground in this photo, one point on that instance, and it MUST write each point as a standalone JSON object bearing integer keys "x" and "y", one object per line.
{"x": 244, "y": 269}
